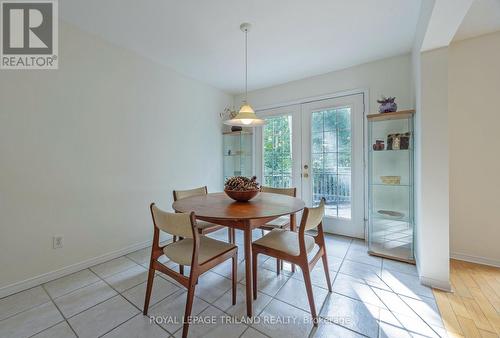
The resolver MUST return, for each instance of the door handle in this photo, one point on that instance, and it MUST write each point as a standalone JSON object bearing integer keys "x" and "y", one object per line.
{"x": 306, "y": 173}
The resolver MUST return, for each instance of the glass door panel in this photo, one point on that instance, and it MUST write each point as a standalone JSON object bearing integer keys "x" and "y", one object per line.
{"x": 277, "y": 151}
{"x": 278, "y": 156}
{"x": 331, "y": 168}
{"x": 318, "y": 148}
{"x": 332, "y": 162}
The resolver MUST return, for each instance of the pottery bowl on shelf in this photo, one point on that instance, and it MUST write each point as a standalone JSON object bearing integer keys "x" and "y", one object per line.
{"x": 241, "y": 196}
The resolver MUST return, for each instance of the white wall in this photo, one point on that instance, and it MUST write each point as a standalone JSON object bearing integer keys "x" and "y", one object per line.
{"x": 390, "y": 76}
{"x": 432, "y": 168}
{"x": 474, "y": 87}
{"x": 86, "y": 148}
{"x": 430, "y": 83}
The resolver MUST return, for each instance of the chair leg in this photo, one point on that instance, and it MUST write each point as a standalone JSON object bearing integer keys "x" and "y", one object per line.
{"x": 254, "y": 273}
{"x": 310, "y": 295}
{"x": 262, "y": 232}
{"x": 189, "y": 305}
{"x": 278, "y": 266}
{"x": 181, "y": 269}
{"x": 234, "y": 275}
{"x": 327, "y": 271}
{"x": 231, "y": 235}
{"x": 149, "y": 287}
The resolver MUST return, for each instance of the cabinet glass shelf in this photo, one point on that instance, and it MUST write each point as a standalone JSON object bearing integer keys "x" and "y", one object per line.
{"x": 390, "y": 206}
{"x": 237, "y": 154}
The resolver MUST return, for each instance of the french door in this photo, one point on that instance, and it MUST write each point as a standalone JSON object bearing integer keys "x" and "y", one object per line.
{"x": 317, "y": 147}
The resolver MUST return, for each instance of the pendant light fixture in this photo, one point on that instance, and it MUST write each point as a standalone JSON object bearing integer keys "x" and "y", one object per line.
{"x": 246, "y": 116}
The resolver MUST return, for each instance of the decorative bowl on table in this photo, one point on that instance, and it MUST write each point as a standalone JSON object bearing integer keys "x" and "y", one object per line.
{"x": 241, "y": 189}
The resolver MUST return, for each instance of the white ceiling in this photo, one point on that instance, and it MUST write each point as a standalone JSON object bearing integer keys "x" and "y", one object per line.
{"x": 483, "y": 17}
{"x": 290, "y": 39}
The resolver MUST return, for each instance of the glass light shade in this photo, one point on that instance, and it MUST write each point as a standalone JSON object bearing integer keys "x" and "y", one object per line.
{"x": 246, "y": 118}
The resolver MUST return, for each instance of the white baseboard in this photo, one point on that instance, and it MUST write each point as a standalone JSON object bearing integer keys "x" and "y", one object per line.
{"x": 47, "y": 277}
{"x": 436, "y": 284}
{"x": 475, "y": 259}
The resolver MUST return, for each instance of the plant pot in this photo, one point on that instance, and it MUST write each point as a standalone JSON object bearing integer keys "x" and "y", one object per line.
{"x": 241, "y": 196}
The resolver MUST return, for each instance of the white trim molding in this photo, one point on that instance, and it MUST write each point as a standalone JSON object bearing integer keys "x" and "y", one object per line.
{"x": 436, "y": 284}
{"x": 49, "y": 276}
{"x": 364, "y": 91}
{"x": 475, "y": 259}
{"x": 433, "y": 283}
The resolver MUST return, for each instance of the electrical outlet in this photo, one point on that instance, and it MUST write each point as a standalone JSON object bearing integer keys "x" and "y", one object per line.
{"x": 57, "y": 242}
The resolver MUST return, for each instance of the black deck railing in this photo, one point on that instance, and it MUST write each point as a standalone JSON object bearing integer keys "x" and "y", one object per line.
{"x": 336, "y": 189}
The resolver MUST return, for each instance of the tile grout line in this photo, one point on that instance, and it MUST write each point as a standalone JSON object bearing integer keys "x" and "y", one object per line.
{"x": 51, "y": 299}
{"x": 58, "y": 309}
{"x": 81, "y": 287}
{"x": 289, "y": 276}
{"x": 50, "y": 327}
{"x": 99, "y": 303}
{"x": 251, "y": 327}
{"x": 392, "y": 312}
{"x": 114, "y": 273}
{"x": 333, "y": 291}
{"x": 36, "y": 306}
{"x": 26, "y": 310}
{"x": 411, "y": 308}
{"x": 134, "y": 316}
{"x": 126, "y": 299}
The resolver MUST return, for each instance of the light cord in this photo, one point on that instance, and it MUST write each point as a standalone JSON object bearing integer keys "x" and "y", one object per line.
{"x": 246, "y": 65}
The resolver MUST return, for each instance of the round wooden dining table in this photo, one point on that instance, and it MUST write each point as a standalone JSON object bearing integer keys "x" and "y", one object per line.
{"x": 218, "y": 208}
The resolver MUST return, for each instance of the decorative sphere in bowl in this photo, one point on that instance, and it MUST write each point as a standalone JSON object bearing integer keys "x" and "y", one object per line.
{"x": 241, "y": 196}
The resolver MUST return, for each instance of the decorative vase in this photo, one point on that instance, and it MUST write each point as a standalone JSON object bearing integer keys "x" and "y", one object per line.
{"x": 387, "y": 105}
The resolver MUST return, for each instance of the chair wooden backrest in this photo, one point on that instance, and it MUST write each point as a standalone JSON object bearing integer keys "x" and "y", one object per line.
{"x": 176, "y": 224}
{"x": 282, "y": 191}
{"x": 312, "y": 218}
{"x": 173, "y": 223}
{"x": 181, "y": 194}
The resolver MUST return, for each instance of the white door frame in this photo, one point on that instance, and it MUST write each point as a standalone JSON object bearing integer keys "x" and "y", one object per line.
{"x": 353, "y": 226}
{"x": 276, "y": 108}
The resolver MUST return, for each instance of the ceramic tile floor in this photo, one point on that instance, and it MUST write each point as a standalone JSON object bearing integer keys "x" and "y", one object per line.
{"x": 372, "y": 297}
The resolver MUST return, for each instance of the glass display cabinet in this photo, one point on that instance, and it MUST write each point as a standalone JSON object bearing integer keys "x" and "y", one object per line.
{"x": 390, "y": 185}
{"x": 238, "y": 153}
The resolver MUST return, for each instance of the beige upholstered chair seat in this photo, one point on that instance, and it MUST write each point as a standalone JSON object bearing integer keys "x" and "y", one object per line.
{"x": 285, "y": 241}
{"x": 181, "y": 251}
{"x": 279, "y": 222}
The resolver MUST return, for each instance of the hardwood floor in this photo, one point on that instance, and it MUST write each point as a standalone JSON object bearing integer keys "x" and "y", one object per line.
{"x": 473, "y": 308}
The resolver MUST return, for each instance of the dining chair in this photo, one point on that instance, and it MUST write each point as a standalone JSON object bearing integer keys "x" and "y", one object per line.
{"x": 294, "y": 247}
{"x": 203, "y": 227}
{"x": 282, "y": 222}
{"x": 199, "y": 252}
